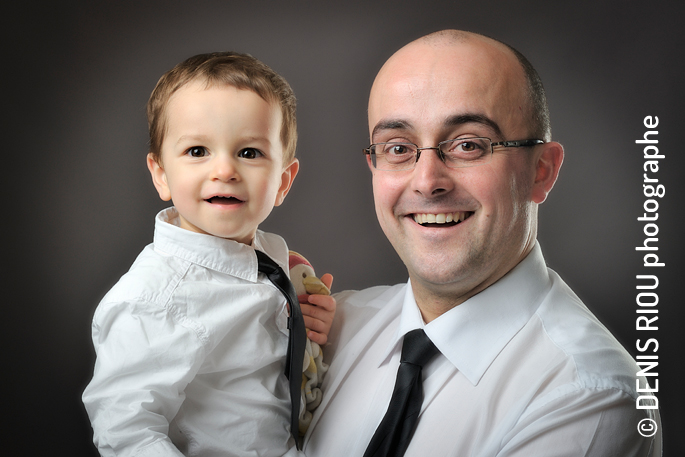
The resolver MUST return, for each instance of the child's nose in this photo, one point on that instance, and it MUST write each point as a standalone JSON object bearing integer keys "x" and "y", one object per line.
{"x": 224, "y": 169}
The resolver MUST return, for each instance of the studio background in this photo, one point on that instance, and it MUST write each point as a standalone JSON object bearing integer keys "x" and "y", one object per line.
{"x": 79, "y": 203}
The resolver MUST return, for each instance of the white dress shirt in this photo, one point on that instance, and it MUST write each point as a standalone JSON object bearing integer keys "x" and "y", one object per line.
{"x": 191, "y": 347}
{"x": 525, "y": 370}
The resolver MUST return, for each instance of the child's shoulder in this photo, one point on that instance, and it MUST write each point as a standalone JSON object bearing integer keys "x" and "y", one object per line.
{"x": 150, "y": 278}
{"x": 274, "y": 245}
{"x": 270, "y": 242}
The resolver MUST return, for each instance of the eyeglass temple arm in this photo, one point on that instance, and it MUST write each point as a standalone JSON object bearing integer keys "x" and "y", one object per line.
{"x": 517, "y": 143}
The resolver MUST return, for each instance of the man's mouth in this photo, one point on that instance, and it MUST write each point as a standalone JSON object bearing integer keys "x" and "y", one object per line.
{"x": 223, "y": 200}
{"x": 441, "y": 219}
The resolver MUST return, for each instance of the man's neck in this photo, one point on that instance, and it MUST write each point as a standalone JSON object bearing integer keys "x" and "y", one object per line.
{"x": 434, "y": 300}
{"x": 432, "y": 303}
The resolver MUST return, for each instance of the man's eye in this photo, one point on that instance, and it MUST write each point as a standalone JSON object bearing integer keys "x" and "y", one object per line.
{"x": 249, "y": 153}
{"x": 197, "y": 151}
{"x": 468, "y": 146}
{"x": 396, "y": 149}
{"x": 471, "y": 147}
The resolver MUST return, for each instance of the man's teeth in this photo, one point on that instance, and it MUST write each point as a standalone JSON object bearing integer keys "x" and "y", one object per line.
{"x": 441, "y": 218}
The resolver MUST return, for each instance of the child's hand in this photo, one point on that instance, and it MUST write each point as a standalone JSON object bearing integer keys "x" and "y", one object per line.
{"x": 318, "y": 311}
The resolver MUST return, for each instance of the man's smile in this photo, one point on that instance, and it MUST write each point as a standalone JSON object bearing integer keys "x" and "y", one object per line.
{"x": 441, "y": 219}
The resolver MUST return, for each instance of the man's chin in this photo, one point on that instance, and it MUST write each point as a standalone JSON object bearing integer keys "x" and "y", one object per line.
{"x": 441, "y": 270}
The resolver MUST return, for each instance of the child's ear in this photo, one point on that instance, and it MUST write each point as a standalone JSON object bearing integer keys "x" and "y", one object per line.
{"x": 158, "y": 178}
{"x": 287, "y": 178}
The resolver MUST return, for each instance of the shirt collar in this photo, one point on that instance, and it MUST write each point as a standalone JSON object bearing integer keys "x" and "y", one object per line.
{"x": 472, "y": 334}
{"x": 219, "y": 254}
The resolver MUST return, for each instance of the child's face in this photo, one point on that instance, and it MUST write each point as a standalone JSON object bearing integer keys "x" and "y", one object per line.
{"x": 222, "y": 160}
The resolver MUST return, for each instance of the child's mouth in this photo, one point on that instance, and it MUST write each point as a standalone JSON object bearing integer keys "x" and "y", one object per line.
{"x": 218, "y": 200}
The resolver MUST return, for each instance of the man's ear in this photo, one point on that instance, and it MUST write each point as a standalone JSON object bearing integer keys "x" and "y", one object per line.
{"x": 369, "y": 163}
{"x": 158, "y": 178}
{"x": 287, "y": 178}
{"x": 547, "y": 170}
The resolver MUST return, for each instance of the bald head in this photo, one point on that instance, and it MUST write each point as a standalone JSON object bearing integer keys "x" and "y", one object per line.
{"x": 467, "y": 52}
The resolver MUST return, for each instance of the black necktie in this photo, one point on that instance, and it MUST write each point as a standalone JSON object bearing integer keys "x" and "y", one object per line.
{"x": 395, "y": 430}
{"x": 297, "y": 340}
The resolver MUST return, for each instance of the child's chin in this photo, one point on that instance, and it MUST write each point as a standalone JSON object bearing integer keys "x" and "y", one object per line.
{"x": 233, "y": 237}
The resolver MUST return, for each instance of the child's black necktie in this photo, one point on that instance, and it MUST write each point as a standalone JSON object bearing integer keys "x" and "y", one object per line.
{"x": 297, "y": 340}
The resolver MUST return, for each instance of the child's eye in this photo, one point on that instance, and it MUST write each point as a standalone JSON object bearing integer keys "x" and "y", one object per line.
{"x": 197, "y": 151}
{"x": 250, "y": 153}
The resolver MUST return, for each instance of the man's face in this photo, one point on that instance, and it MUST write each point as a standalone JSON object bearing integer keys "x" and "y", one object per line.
{"x": 222, "y": 160}
{"x": 425, "y": 95}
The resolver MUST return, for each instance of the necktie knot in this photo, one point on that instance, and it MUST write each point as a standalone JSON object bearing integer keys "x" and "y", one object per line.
{"x": 417, "y": 348}
{"x": 267, "y": 265}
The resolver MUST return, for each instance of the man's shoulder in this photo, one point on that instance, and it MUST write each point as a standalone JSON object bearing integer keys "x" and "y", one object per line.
{"x": 599, "y": 359}
{"x": 359, "y": 308}
{"x": 373, "y": 297}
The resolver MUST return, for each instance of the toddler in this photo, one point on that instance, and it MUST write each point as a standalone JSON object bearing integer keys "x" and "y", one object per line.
{"x": 191, "y": 343}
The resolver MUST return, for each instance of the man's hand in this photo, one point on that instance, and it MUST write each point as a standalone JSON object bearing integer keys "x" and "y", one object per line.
{"x": 318, "y": 311}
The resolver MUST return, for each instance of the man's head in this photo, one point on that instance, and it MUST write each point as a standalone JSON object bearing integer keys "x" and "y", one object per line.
{"x": 449, "y": 85}
{"x": 222, "y": 129}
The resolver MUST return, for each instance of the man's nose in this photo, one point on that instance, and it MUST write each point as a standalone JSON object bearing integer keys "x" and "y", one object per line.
{"x": 224, "y": 168}
{"x": 431, "y": 176}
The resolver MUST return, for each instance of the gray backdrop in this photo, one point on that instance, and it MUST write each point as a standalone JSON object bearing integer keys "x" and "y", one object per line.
{"x": 81, "y": 205}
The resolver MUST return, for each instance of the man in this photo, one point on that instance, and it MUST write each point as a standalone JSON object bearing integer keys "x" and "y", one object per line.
{"x": 523, "y": 369}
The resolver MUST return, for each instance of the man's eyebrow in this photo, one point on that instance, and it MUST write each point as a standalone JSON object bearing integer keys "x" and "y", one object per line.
{"x": 390, "y": 124}
{"x": 469, "y": 118}
{"x": 452, "y": 121}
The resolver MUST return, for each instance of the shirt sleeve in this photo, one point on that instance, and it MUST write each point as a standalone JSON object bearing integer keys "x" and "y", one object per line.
{"x": 587, "y": 423}
{"x": 146, "y": 356}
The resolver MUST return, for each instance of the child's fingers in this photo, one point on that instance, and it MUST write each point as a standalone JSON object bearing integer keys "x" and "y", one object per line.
{"x": 315, "y": 325}
{"x": 312, "y": 311}
{"x": 317, "y": 312}
{"x": 317, "y": 331}
{"x": 319, "y": 338}
{"x": 324, "y": 301}
{"x": 318, "y": 316}
{"x": 327, "y": 279}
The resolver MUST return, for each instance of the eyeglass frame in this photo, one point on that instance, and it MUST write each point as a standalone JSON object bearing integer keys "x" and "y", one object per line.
{"x": 501, "y": 144}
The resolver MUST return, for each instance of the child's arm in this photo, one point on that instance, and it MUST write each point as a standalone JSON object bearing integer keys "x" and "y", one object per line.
{"x": 139, "y": 377}
{"x": 318, "y": 311}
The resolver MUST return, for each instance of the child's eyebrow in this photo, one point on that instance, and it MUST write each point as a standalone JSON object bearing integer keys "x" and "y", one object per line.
{"x": 255, "y": 138}
{"x": 200, "y": 138}
{"x": 184, "y": 138}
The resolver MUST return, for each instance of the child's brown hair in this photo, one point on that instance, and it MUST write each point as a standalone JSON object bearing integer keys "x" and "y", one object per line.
{"x": 241, "y": 71}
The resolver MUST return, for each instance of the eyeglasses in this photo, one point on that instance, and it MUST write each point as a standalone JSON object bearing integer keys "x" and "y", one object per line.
{"x": 457, "y": 153}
